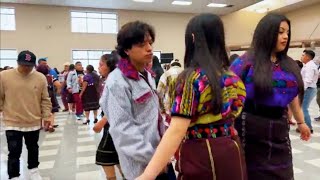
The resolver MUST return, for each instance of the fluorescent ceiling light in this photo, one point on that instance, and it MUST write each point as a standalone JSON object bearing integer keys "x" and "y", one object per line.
{"x": 263, "y": 10}
{"x": 146, "y": 1}
{"x": 182, "y": 3}
{"x": 270, "y": 5}
{"x": 217, "y": 5}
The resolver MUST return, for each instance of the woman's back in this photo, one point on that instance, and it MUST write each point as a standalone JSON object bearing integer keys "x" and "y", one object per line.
{"x": 193, "y": 98}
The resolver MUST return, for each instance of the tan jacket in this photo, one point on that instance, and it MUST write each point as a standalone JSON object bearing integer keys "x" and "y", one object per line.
{"x": 24, "y": 100}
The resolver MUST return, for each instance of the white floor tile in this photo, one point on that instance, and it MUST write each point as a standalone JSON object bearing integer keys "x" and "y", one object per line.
{"x": 297, "y": 171}
{"x": 4, "y": 157}
{"x": 60, "y": 120}
{"x": 59, "y": 129}
{"x": 46, "y": 165}
{"x": 315, "y": 134}
{"x": 315, "y": 125}
{"x": 86, "y": 160}
{"x": 313, "y": 145}
{"x": 294, "y": 137}
{"x": 61, "y": 123}
{"x": 296, "y": 151}
{"x": 52, "y": 152}
{"x": 88, "y": 175}
{"x": 83, "y": 132}
{"x": 85, "y": 139}
{"x": 86, "y": 148}
{"x": 51, "y": 143}
{"x": 53, "y": 135}
{"x": 61, "y": 115}
{"x": 315, "y": 162}
{"x": 84, "y": 128}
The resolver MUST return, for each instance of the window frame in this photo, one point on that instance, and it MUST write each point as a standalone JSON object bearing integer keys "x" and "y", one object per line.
{"x": 97, "y": 12}
{"x": 88, "y": 59}
{"x": 13, "y": 59}
{"x": 14, "y": 15}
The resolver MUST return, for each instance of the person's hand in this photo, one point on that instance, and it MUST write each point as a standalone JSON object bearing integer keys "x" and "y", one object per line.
{"x": 80, "y": 95}
{"x": 46, "y": 124}
{"x": 304, "y": 131}
{"x": 70, "y": 90}
{"x": 98, "y": 127}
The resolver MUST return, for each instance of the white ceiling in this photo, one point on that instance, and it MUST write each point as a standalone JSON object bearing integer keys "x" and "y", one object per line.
{"x": 198, "y": 6}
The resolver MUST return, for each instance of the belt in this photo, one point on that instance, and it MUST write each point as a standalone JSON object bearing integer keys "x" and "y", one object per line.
{"x": 213, "y": 130}
{"x": 263, "y": 110}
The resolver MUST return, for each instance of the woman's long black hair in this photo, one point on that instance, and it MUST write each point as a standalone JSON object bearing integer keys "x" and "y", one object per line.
{"x": 263, "y": 44}
{"x": 157, "y": 69}
{"x": 205, "y": 49}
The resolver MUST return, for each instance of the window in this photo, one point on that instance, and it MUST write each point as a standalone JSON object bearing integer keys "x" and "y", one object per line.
{"x": 94, "y": 22}
{"x": 8, "y": 57}
{"x": 87, "y": 57}
{"x": 7, "y": 19}
{"x": 158, "y": 54}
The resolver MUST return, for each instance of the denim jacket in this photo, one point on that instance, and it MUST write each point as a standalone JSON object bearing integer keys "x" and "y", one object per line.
{"x": 131, "y": 106}
{"x": 73, "y": 82}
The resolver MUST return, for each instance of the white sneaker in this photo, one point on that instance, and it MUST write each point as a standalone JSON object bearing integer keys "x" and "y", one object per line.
{"x": 35, "y": 174}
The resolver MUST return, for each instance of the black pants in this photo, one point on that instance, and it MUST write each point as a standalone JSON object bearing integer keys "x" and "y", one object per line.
{"x": 14, "y": 139}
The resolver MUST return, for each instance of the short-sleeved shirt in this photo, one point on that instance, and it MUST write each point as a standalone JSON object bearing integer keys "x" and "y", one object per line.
{"x": 89, "y": 78}
{"x": 285, "y": 85}
{"x": 193, "y": 98}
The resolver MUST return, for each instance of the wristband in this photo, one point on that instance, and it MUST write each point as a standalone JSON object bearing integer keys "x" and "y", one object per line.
{"x": 300, "y": 123}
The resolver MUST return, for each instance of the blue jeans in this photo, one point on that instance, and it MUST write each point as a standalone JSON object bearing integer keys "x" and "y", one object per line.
{"x": 309, "y": 94}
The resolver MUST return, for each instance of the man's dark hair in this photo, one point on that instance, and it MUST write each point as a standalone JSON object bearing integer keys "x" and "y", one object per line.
{"x": 78, "y": 62}
{"x": 41, "y": 59}
{"x": 310, "y": 53}
{"x": 71, "y": 67}
{"x": 133, "y": 33}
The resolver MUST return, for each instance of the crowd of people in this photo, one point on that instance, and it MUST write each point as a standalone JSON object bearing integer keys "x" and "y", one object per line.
{"x": 219, "y": 117}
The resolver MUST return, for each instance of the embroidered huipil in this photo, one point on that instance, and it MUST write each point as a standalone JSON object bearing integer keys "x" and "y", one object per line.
{"x": 166, "y": 86}
{"x": 131, "y": 106}
{"x": 285, "y": 86}
{"x": 193, "y": 98}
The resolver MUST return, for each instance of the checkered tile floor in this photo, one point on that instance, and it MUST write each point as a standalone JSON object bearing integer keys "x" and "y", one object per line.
{"x": 69, "y": 152}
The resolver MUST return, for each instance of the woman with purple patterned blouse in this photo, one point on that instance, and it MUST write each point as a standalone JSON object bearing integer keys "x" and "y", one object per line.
{"x": 90, "y": 94}
{"x": 273, "y": 81}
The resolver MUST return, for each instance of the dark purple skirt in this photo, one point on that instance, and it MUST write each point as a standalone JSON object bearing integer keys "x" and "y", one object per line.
{"x": 267, "y": 146}
{"x": 211, "y": 158}
{"x": 90, "y": 99}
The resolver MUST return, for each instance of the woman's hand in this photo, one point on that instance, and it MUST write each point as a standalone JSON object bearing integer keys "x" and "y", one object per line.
{"x": 98, "y": 126}
{"x": 304, "y": 131}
